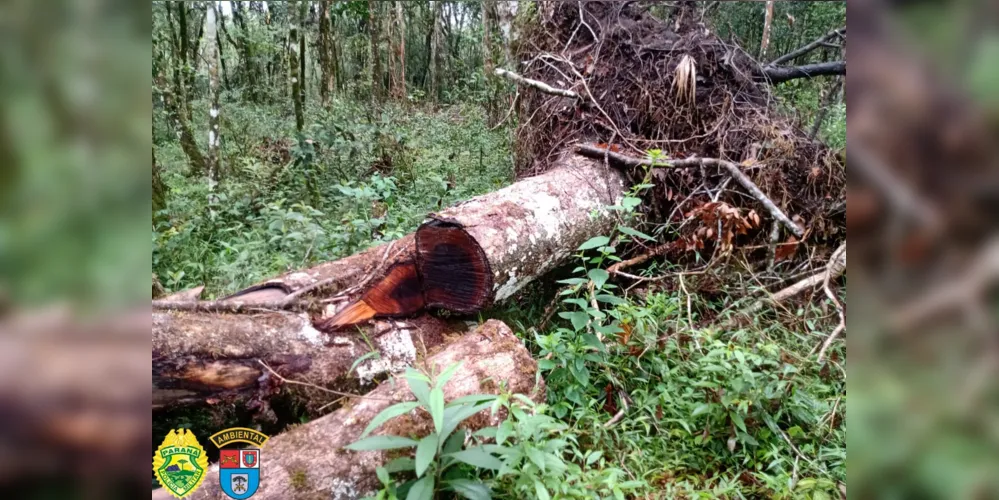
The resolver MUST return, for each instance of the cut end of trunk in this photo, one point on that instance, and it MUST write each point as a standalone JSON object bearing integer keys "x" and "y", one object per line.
{"x": 454, "y": 269}
{"x": 398, "y": 293}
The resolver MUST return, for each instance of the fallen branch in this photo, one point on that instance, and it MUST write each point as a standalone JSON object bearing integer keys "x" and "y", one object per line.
{"x": 542, "y": 86}
{"x": 804, "y": 49}
{"x": 834, "y": 269}
{"x": 830, "y": 270}
{"x": 733, "y": 169}
{"x": 780, "y": 74}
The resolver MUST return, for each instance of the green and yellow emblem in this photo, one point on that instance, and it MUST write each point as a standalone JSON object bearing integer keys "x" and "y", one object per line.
{"x": 180, "y": 463}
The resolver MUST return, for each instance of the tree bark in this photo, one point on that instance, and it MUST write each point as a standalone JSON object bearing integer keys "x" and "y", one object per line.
{"x": 779, "y": 74}
{"x": 310, "y": 461}
{"x": 325, "y": 49}
{"x": 219, "y": 42}
{"x": 376, "y": 64}
{"x": 768, "y": 18}
{"x": 249, "y": 73}
{"x": 399, "y": 80}
{"x": 303, "y": 78}
{"x": 214, "y": 137}
{"x": 434, "y": 66}
{"x": 293, "y": 66}
{"x": 525, "y": 230}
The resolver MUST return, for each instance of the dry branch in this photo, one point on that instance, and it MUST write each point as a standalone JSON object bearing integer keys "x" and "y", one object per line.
{"x": 779, "y": 74}
{"x": 309, "y": 461}
{"x": 542, "y": 86}
{"x": 804, "y": 49}
{"x": 732, "y": 168}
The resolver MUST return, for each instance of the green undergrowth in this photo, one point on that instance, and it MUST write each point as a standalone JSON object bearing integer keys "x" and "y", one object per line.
{"x": 352, "y": 180}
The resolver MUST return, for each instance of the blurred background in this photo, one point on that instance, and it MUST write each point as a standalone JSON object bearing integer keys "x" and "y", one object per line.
{"x": 923, "y": 124}
{"x": 75, "y": 118}
{"x": 923, "y": 189}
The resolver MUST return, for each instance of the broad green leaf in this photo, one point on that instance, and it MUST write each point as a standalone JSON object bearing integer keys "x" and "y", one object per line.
{"x": 382, "y": 474}
{"x": 537, "y": 456}
{"x": 422, "y": 489}
{"x": 590, "y": 460}
{"x": 437, "y": 408}
{"x": 478, "y": 457}
{"x": 599, "y": 277}
{"x": 413, "y": 374}
{"x": 389, "y": 413}
{"x": 541, "y": 491}
{"x": 738, "y": 421}
{"x": 472, "y": 490}
{"x": 572, "y": 281}
{"x": 595, "y": 242}
{"x": 633, "y": 232}
{"x": 425, "y": 452}
{"x": 455, "y": 416}
{"x": 471, "y": 398}
{"x": 577, "y": 318}
{"x": 454, "y": 443}
{"x": 630, "y": 202}
{"x": 611, "y": 299}
{"x": 447, "y": 374}
{"x": 701, "y": 408}
{"x": 381, "y": 443}
{"x": 421, "y": 390}
{"x": 504, "y": 431}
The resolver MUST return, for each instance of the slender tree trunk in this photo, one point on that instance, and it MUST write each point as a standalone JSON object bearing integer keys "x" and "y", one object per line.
{"x": 193, "y": 58}
{"x": 768, "y": 19}
{"x": 376, "y": 65}
{"x": 434, "y": 66}
{"x": 488, "y": 15}
{"x": 389, "y": 35}
{"x": 178, "y": 102}
{"x": 220, "y": 19}
{"x": 293, "y": 65}
{"x": 326, "y": 86}
{"x": 249, "y": 73}
{"x": 214, "y": 133}
{"x": 506, "y": 12}
{"x": 400, "y": 53}
{"x": 159, "y": 189}
{"x": 185, "y": 64}
{"x": 302, "y": 16}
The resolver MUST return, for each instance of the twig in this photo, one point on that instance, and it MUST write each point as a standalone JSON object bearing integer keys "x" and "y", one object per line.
{"x": 733, "y": 169}
{"x": 508, "y": 113}
{"x": 832, "y": 296}
{"x": 542, "y": 86}
{"x": 804, "y": 49}
{"x": 314, "y": 386}
{"x": 620, "y": 413}
{"x": 834, "y": 268}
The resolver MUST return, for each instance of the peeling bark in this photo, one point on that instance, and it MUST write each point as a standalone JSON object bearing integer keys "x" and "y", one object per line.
{"x": 309, "y": 461}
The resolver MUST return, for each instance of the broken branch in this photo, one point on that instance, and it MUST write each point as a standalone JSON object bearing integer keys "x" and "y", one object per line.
{"x": 542, "y": 86}
{"x": 780, "y": 74}
{"x": 804, "y": 49}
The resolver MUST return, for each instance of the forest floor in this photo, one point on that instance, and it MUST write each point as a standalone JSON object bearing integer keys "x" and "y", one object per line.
{"x": 705, "y": 406}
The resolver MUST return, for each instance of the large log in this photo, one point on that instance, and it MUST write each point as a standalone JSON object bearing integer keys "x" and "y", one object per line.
{"x": 309, "y": 461}
{"x": 210, "y": 350}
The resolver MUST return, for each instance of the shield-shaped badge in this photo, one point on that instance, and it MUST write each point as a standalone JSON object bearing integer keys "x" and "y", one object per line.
{"x": 239, "y": 472}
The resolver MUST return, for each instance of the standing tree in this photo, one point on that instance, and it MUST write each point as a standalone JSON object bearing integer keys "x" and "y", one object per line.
{"x": 399, "y": 52}
{"x": 376, "y": 64}
{"x": 768, "y": 19}
{"x": 214, "y": 134}
{"x": 249, "y": 71}
{"x": 434, "y": 64}
{"x": 325, "y": 53}
{"x": 293, "y": 66}
{"x": 303, "y": 11}
{"x": 178, "y": 102}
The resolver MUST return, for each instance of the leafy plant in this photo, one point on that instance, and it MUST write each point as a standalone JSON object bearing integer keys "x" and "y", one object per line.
{"x": 436, "y": 453}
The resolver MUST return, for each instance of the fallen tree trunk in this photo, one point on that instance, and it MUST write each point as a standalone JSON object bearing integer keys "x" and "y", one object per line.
{"x": 207, "y": 350}
{"x": 309, "y": 461}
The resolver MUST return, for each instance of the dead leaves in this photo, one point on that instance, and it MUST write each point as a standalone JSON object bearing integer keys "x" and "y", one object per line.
{"x": 721, "y": 223}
